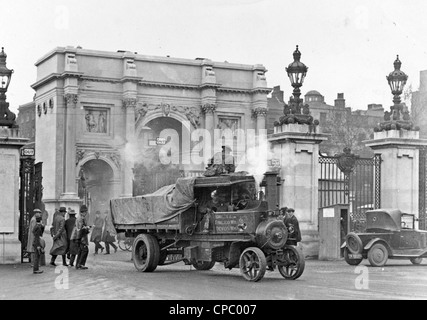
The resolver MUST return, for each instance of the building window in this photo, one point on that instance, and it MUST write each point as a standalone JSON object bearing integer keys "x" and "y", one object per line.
{"x": 322, "y": 117}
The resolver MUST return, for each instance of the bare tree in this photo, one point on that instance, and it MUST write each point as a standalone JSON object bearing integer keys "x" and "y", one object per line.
{"x": 347, "y": 130}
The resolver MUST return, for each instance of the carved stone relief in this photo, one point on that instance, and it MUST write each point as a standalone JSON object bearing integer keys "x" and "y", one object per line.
{"x": 113, "y": 156}
{"x": 96, "y": 120}
{"x": 191, "y": 113}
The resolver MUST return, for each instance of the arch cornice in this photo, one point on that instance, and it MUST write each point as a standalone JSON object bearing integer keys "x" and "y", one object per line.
{"x": 111, "y": 157}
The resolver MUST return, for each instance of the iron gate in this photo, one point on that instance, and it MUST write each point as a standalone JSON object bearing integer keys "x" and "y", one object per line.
{"x": 30, "y": 197}
{"x": 348, "y": 179}
{"x": 422, "y": 198}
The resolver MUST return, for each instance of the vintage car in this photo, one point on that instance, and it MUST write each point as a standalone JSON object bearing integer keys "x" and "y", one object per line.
{"x": 390, "y": 234}
{"x": 205, "y": 220}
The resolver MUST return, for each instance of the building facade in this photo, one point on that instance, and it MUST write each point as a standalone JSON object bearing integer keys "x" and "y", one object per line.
{"x": 347, "y": 128}
{"x": 419, "y": 105}
{"x": 26, "y": 120}
{"x": 102, "y": 115}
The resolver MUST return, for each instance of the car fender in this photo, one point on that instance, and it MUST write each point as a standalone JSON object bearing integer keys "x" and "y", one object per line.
{"x": 375, "y": 240}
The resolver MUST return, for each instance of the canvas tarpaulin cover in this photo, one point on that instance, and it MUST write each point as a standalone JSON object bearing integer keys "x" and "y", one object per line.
{"x": 164, "y": 204}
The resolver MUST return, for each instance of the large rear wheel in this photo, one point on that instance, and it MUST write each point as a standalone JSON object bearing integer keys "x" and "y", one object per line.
{"x": 145, "y": 253}
{"x": 253, "y": 264}
{"x": 294, "y": 263}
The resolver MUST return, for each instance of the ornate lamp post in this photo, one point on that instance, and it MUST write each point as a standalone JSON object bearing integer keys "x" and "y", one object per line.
{"x": 397, "y": 118}
{"x": 295, "y": 111}
{"x": 7, "y": 118}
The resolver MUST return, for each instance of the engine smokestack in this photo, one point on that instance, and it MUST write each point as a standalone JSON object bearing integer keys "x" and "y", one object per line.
{"x": 271, "y": 190}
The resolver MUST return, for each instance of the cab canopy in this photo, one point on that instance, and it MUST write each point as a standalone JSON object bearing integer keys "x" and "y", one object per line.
{"x": 385, "y": 219}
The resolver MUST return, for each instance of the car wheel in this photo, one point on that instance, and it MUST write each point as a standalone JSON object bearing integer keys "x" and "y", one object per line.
{"x": 378, "y": 255}
{"x": 354, "y": 243}
{"x": 352, "y": 262}
{"x": 416, "y": 260}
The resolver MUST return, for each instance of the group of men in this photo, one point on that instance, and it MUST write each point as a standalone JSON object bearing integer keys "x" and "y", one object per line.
{"x": 70, "y": 238}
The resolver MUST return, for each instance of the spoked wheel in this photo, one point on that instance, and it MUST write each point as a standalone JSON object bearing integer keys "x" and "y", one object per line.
{"x": 145, "y": 253}
{"x": 352, "y": 262}
{"x": 378, "y": 255}
{"x": 295, "y": 263}
{"x": 204, "y": 265}
{"x": 253, "y": 264}
{"x": 416, "y": 260}
{"x": 128, "y": 244}
{"x": 122, "y": 245}
{"x": 125, "y": 244}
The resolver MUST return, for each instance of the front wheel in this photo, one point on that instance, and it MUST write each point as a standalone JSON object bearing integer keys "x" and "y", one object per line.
{"x": 145, "y": 253}
{"x": 378, "y": 255}
{"x": 294, "y": 263}
{"x": 204, "y": 265}
{"x": 416, "y": 260}
{"x": 253, "y": 264}
{"x": 352, "y": 262}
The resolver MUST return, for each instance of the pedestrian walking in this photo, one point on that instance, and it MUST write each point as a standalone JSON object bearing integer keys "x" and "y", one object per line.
{"x": 96, "y": 234}
{"x": 82, "y": 231}
{"x": 108, "y": 233}
{"x": 72, "y": 246}
{"x": 37, "y": 232}
{"x": 59, "y": 247}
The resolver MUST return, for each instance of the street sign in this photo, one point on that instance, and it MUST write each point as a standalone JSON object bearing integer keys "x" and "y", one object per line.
{"x": 28, "y": 152}
{"x": 161, "y": 141}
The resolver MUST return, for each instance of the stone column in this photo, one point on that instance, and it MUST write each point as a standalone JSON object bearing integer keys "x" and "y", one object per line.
{"x": 399, "y": 168}
{"x": 10, "y": 246}
{"x": 70, "y": 185}
{"x": 260, "y": 113}
{"x": 298, "y": 150}
{"x": 209, "y": 110}
{"x": 129, "y": 105}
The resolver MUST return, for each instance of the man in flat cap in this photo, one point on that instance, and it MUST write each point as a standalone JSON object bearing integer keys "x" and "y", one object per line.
{"x": 59, "y": 235}
{"x": 37, "y": 232}
{"x": 291, "y": 223}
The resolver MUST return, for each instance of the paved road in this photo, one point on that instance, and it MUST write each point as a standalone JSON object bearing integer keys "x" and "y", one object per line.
{"x": 114, "y": 277}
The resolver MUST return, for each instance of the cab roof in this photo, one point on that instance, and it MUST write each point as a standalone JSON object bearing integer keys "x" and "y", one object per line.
{"x": 222, "y": 180}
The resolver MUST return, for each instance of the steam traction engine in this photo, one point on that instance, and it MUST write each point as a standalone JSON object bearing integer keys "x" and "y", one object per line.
{"x": 205, "y": 220}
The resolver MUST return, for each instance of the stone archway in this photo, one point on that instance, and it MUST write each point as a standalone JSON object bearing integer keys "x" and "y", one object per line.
{"x": 159, "y": 165}
{"x": 99, "y": 184}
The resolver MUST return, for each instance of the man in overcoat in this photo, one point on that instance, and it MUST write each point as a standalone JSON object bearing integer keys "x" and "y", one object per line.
{"x": 96, "y": 234}
{"x": 58, "y": 232}
{"x": 82, "y": 230}
{"x": 72, "y": 247}
{"x": 30, "y": 238}
{"x": 37, "y": 232}
{"x": 291, "y": 223}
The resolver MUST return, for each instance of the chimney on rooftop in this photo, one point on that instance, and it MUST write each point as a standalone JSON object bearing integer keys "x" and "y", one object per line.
{"x": 340, "y": 101}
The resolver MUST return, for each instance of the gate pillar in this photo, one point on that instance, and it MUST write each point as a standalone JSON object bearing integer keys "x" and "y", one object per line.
{"x": 400, "y": 174}
{"x": 297, "y": 148}
{"x": 10, "y": 246}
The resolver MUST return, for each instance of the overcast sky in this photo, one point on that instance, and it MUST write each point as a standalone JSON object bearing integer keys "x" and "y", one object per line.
{"x": 348, "y": 46}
